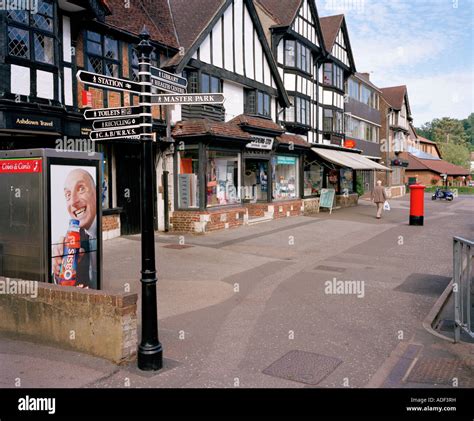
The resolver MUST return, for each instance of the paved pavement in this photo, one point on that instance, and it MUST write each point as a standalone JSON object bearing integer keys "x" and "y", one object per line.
{"x": 234, "y": 303}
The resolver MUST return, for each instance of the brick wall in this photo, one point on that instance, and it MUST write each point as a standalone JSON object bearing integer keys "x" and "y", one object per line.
{"x": 347, "y": 202}
{"x": 206, "y": 221}
{"x": 95, "y": 322}
{"x": 110, "y": 226}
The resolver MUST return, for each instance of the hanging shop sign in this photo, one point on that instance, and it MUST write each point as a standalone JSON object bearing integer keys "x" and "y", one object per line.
{"x": 350, "y": 143}
{"x": 260, "y": 142}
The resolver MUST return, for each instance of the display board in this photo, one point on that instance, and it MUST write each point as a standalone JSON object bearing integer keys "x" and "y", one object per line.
{"x": 326, "y": 199}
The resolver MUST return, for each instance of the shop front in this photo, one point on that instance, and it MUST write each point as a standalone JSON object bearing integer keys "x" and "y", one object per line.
{"x": 227, "y": 175}
{"x": 327, "y": 167}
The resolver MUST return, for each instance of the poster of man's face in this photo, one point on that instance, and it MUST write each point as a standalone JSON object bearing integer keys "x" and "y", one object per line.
{"x": 74, "y": 225}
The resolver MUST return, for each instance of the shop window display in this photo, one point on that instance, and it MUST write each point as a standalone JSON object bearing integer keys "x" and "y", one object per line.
{"x": 188, "y": 181}
{"x": 255, "y": 180}
{"x": 285, "y": 177}
{"x": 347, "y": 181}
{"x": 313, "y": 179}
{"x": 222, "y": 178}
{"x": 333, "y": 180}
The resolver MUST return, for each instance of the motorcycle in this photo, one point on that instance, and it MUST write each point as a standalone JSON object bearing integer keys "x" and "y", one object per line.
{"x": 442, "y": 194}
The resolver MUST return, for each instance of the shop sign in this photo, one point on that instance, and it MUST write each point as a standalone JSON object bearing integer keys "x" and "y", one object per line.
{"x": 286, "y": 160}
{"x": 350, "y": 143}
{"x": 20, "y": 166}
{"x": 37, "y": 123}
{"x": 326, "y": 199}
{"x": 260, "y": 142}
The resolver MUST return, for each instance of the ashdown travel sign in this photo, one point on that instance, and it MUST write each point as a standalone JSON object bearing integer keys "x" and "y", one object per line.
{"x": 102, "y": 113}
{"x": 108, "y": 82}
{"x": 116, "y": 124}
{"x": 124, "y": 132}
{"x": 188, "y": 99}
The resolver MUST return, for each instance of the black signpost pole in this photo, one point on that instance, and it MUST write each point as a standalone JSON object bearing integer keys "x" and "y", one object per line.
{"x": 150, "y": 352}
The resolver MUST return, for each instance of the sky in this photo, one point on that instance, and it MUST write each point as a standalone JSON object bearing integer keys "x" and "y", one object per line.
{"x": 427, "y": 45}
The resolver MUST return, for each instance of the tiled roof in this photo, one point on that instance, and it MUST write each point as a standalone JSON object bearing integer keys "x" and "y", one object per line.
{"x": 191, "y": 17}
{"x": 257, "y": 122}
{"x": 435, "y": 165}
{"x": 282, "y": 11}
{"x": 330, "y": 26}
{"x": 203, "y": 127}
{"x": 154, "y": 14}
{"x": 292, "y": 139}
{"x": 394, "y": 96}
{"x": 425, "y": 140}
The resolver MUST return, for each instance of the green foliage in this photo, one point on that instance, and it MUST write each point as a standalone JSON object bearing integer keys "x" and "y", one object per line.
{"x": 456, "y": 154}
{"x": 359, "y": 185}
{"x": 449, "y": 130}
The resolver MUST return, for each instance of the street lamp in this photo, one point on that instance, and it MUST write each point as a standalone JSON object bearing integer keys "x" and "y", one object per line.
{"x": 150, "y": 351}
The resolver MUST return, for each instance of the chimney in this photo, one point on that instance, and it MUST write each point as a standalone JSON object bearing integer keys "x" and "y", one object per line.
{"x": 366, "y": 76}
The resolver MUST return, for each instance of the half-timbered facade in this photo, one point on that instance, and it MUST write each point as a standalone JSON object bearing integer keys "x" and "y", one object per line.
{"x": 334, "y": 72}
{"x": 298, "y": 46}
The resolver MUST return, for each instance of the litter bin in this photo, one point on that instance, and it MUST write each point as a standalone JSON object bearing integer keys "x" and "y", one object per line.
{"x": 41, "y": 192}
{"x": 417, "y": 204}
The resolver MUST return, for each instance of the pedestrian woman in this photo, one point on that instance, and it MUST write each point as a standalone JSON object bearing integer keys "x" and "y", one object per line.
{"x": 379, "y": 197}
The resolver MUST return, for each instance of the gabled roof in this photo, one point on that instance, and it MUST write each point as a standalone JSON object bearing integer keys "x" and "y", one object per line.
{"x": 394, "y": 96}
{"x": 154, "y": 14}
{"x": 194, "y": 22}
{"x": 282, "y": 11}
{"x": 434, "y": 165}
{"x": 330, "y": 27}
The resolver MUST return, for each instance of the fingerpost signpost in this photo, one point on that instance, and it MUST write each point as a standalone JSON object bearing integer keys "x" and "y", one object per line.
{"x": 136, "y": 122}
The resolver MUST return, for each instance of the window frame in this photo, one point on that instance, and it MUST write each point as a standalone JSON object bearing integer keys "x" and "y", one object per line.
{"x": 32, "y": 31}
{"x": 104, "y": 59}
{"x": 254, "y": 95}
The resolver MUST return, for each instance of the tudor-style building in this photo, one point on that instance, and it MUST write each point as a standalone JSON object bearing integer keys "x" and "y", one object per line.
{"x": 233, "y": 164}
{"x": 396, "y": 121}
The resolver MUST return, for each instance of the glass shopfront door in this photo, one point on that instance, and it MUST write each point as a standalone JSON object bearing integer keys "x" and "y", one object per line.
{"x": 256, "y": 181}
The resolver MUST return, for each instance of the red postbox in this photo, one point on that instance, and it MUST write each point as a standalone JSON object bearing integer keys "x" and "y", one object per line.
{"x": 417, "y": 204}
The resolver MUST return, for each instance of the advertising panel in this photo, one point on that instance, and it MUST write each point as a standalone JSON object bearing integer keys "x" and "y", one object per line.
{"x": 73, "y": 230}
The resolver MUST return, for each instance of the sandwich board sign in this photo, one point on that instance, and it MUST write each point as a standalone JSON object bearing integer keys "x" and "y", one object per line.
{"x": 326, "y": 200}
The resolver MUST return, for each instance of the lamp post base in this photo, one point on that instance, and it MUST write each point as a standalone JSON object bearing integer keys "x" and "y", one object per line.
{"x": 150, "y": 358}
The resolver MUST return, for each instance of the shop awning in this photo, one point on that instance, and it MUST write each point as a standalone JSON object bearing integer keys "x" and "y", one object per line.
{"x": 349, "y": 160}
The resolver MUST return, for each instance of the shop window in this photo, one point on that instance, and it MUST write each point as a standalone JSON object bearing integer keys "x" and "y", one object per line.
{"x": 313, "y": 179}
{"x": 222, "y": 178}
{"x": 333, "y": 180}
{"x": 31, "y": 35}
{"x": 107, "y": 184}
{"x": 257, "y": 103}
{"x": 188, "y": 179}
{"x": 285, "y": 177}
{"x": 347, "y": 181}
{"x": 102, "y": 54}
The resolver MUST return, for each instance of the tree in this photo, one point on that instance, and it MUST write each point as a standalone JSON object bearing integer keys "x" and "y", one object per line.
{"x": 456, "y": 154}
{"x": 426, "y": 130}
{"x": 468, "y": 124}
{"x": 449, "y": 130}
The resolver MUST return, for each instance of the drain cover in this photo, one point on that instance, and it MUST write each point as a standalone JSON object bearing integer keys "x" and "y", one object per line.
{"x": 303, "y": 367}
{"x": 438, "y": 371}
{"x": 330, "y": 268}
{"x": 176, "y": 246}
{"x": 424, "y": 284}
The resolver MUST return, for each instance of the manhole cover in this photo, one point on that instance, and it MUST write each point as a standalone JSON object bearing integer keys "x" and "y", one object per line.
{"x": 424, "y": 284}
{"x": 303, "y": 367}
{"x": 438, "y": 371}
{"x": 330, "y": 268}
{"x": 176, "y": 246}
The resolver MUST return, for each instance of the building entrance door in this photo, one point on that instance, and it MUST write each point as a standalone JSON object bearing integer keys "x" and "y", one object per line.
{"x": 256, "y": 180}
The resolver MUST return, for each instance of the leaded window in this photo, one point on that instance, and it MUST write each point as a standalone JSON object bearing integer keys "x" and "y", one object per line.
{"x": 31, "y": 35}
{"x": 102, "y": 54}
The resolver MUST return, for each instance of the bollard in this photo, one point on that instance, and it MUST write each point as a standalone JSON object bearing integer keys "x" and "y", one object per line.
{"x": 417, "y": 204}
